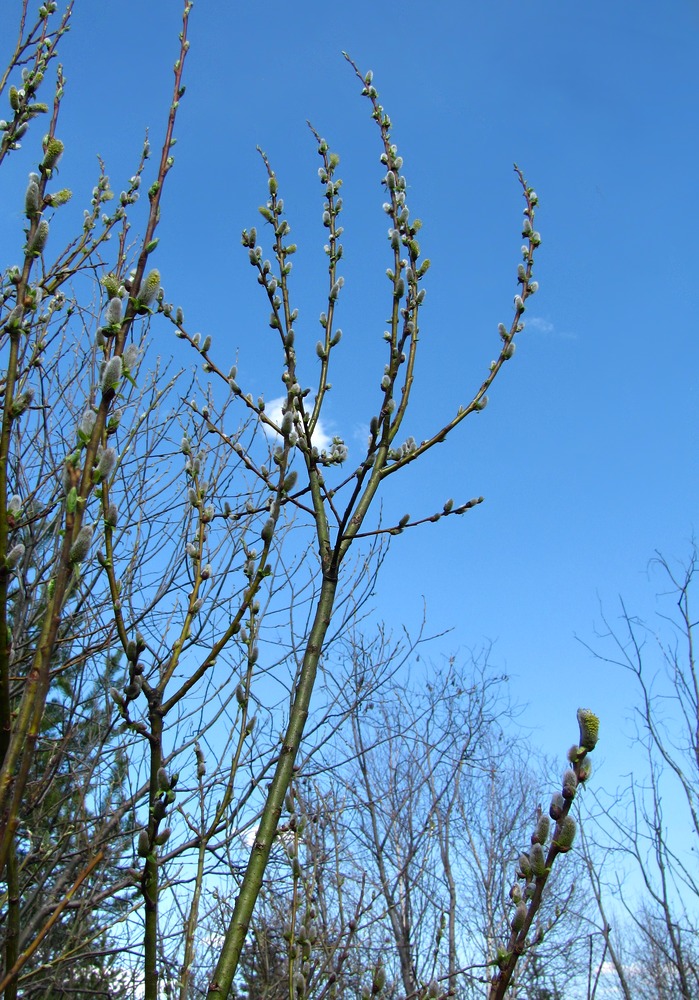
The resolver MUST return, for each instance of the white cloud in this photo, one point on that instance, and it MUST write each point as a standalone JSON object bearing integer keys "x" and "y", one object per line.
{"x": 321, "y": 439}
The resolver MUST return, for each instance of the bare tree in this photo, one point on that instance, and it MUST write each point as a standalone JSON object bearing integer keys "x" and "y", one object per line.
{"x": 144, "y": 524}
{"x": 443, "y": 797}
{"x": 641, "y": 842}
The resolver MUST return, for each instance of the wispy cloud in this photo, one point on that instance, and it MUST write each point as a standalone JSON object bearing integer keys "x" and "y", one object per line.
{"x": 546, "y": 328}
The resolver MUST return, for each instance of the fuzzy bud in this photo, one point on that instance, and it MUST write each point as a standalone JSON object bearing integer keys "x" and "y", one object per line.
{"x": 589, "y": 728}
{"x": 290, "y": 481}
{"x": 150, "y": 286}
{"x": 556, "y": 807}
{"x": 565, "y": 834}
{"x": 81, "y": 545}
{"x": 111, "y": 285}
{"x": 537, "y": 860}
{"x": 58, "y": 198}
{"x": 519, "y": 918}
{"x": 14, "y": 556}
{"x": 116, "y": 697}
{"x": 113, "y": 316}
{"x": 584, "y": 770}
{"x": 525, "y": 865}
{"x": 134, "y": 689}
{"x": 570, "y": 784}
{"x": 87, "y": 422}
{"x": 143, "y": 844}
{"x": 53, "y": 151}
{"x": 21, "y": 402}
{"x": 111, "y": 376}
{"x": 31, "y": 199}
{"x": 39, "y": 239}
{"x": 379, "y": 980}
{"x": 163, "y": 780}
{"x": 540, "y": 835}
{"x": 106, "y": 465}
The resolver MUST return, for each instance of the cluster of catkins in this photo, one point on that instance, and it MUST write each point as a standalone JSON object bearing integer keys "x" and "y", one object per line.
{"x": 534, "y": 865}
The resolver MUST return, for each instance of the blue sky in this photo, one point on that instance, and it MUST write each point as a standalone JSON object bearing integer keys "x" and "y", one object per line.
{"x": 587, "y": 452}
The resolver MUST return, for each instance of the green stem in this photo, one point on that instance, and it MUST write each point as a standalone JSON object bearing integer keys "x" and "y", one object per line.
{"x": 13, "y": 920}
{"x": 149, "y": 882}
{"x": 222, "y": 980}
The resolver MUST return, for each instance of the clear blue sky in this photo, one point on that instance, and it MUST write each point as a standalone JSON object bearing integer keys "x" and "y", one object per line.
{"x": 587, "y": 453}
